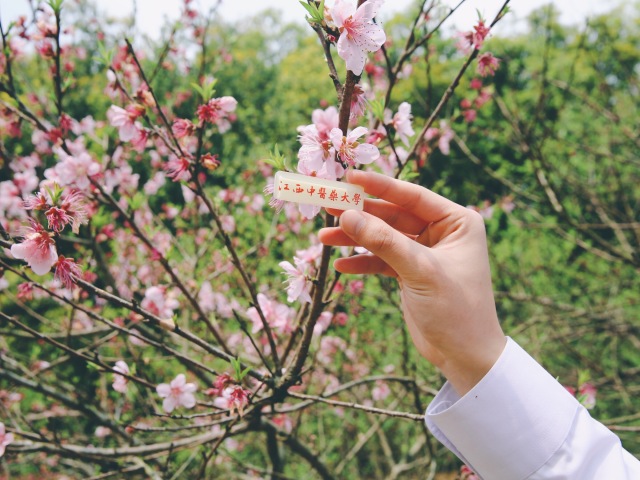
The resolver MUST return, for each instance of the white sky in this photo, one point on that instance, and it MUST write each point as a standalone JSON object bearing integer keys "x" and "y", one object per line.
{"x": 152, "y": 13}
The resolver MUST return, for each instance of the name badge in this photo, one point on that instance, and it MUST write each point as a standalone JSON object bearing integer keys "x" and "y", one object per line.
{"x": 293, "y": 187}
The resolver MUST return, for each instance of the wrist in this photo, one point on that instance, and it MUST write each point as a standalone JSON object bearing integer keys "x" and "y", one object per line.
{"x": 465, "y": 369}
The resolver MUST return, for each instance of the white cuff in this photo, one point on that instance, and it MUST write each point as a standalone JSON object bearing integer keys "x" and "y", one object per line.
{"x": 508, "y": 425}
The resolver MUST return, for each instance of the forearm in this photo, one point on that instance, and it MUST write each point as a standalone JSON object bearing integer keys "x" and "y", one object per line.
{"x": 518, "y": 422}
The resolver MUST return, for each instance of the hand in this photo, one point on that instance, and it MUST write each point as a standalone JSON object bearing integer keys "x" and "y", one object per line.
{"x": 437, "y": 250}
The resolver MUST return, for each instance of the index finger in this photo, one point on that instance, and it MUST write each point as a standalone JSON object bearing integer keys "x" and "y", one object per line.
{"x": 423, "y": 203}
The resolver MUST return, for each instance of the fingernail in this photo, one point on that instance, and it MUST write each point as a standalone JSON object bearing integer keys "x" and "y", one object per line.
{"x": 352, "y": 221}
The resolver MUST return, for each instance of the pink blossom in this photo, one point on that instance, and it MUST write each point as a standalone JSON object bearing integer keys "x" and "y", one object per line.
{"x": 401, "y": 121}
{"x": 352, "y": 152}
{"x": 124, "y": 120}
{"x": 228, "y": 223}
{"x": 358, "y": 34}
{"x": 27, "y": 180}
{"x": 177, "y": 169}
{"x": 358, "y": 102}
{"x": 38, "y": 249}
{"x": 233, "y": 398}
{"x": 39, "y": 201}
{"x": 154, "y": 183}
{"x": 102, "y": 431}
{"x": 57, "y": 218}
{"x": 467, "y": 474}
{"x": 487, "y": 64}
{"x": 480, "y": 33}
{"x": 484, "y": 95}
{"x": 325, "y": 121}
{"x": 178, "y": 393}
{"x": 222, "y": 382}
{"x": 444, "y": 135}
{"x": 5, "y": 439}
{"x": 323, "y": 323}
{"x": 277, "y": 315}
{"x": 473, "y": 39}
{"x": 119, "y": 381}
{"x": 340, "y": 319}
{"x": 218, "y": 302}
{"x": 380, "y": 391}
{"x": 299, "y": 285}
{"x": 465, "y": 41}
{"x": 469, "y": 115}
{"x": 274, "y": 203}
{"x": 315, "y": 149}
{"x": 74, "y": 170}
{"x": 210, "y": 162}
{"x": 25, "y": 291}
{"x": 476, "y": 84}
{"x": 156, "y": 301}
{"x": 66, "y": 270}
{"x": 587, "y": 395}
{"x": 182, "y": 127}
{"x": 140, "y": 137}
{"x": 310, "y": 255}
{"x": 218, "y": 111}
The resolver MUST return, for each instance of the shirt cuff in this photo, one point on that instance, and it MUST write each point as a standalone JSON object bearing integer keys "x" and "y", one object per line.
{"x": 509, "y": 424}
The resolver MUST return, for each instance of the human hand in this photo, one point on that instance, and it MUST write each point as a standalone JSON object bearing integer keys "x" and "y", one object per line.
{"x": 437, "y": 250}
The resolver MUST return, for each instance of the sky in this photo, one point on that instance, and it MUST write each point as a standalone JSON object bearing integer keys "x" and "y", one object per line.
{"x": 152, "y": 13}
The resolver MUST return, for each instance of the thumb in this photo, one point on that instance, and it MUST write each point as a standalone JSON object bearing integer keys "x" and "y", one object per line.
{"x": 394, "y": 248}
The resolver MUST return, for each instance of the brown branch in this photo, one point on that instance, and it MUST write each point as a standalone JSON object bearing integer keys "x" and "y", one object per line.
{"x": 355, "y": 406}
{"x": 165, "y": 264}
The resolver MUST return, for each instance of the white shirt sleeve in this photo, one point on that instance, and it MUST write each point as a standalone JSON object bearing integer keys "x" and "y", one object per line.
{"x": 518, "y": 423}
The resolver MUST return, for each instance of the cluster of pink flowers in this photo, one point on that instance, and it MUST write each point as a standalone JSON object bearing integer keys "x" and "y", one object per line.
{"x": 177, "y": 393}
{"x": 469, "y": 107}
{"x": 474, "y": 40}
{"x": 279, "y": 316}
{"x": 159, "y": 302}
{"x": 358, "y": 34}
{"x": 229, "y": 395}
{"x": 325, "y": 151}
{"x": 443, "y": 135}
{"x": 218, "y": 111}
{"x": 300, "y": 274}
{"x": 401, "y": 122}
{"x": 125, "y": 120}
{"x": 38, "y": 247}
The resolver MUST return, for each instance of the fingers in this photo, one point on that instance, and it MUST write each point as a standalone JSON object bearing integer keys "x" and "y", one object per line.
{"x": 423, "y": 203}
{"x": 364, "y": 264}
{"x": 398, "y": 217}
{"x": 389, "y": 245}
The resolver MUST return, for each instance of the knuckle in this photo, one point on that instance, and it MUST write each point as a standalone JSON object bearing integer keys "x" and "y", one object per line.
{"x": 473, "y": 219}
{"x": 382, "y": 240}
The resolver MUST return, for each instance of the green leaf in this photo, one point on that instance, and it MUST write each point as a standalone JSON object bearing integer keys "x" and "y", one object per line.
{"x": 137, "y": 201}
{"x": 316, "y": 13}
{"x": 276, "y": 159}
{"x": 105, "y": 56}
{"x": 377, "y": 109}
{"x": 56, "y": 5}
{"x": 408, "y": 175}
{"x": 206, "y": 91}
